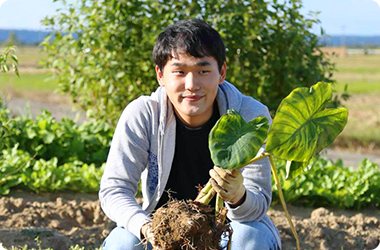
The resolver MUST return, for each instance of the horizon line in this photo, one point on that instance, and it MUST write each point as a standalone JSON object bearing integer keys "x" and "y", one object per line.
{"x": 325, "y": 35}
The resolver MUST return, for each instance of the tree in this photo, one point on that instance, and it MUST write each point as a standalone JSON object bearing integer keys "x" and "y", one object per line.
{"x": 12, "y": 40}
{"x": 102, "y": 50}
{"x": 8, "y": 55}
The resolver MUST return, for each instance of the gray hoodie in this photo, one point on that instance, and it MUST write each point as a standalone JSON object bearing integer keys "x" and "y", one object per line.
{"x": 143, "y": 149}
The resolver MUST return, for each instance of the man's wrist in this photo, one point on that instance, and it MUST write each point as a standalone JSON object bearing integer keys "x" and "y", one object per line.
{"x": 240, "y": 201}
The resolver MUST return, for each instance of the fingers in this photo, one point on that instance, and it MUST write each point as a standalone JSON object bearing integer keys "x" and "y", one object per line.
{"x": 227, "y": 183}
{"x": 219, "y": 177}
{"x": 222, "y": 181}
{"x": 225, "y": 177}
{"x": 219, "y": 189}
{"x": 226, "y": 173}
{"x": 147, "y": 232}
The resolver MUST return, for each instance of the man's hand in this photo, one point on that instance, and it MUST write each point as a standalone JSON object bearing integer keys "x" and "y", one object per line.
{"x": 146, "y": 232}
{"x": 229, "y": 185}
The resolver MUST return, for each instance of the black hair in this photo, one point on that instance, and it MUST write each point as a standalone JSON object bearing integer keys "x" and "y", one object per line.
{"x": 192, "y": 36}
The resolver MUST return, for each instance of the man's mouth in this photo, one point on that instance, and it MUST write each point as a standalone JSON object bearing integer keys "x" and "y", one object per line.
{"x": 192, "y": 98}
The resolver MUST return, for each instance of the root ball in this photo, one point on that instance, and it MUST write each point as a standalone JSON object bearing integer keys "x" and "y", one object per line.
{"x": 182, "y": 225}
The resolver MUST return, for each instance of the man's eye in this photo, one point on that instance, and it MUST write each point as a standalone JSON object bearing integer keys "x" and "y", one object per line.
{"x": 178, "y": 72}
{"x": 204, "y": 72}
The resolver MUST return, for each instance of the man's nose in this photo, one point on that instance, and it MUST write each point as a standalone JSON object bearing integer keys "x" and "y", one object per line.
{"x": 191, "y": 82}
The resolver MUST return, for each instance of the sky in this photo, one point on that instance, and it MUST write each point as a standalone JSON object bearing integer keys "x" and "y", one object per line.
{"x": 338, "y": 17}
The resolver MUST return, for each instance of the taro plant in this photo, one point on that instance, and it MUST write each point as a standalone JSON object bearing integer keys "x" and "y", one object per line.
{"x": 303, "y": 125}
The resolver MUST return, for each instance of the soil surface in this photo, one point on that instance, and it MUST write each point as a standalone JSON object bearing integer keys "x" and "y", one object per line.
{"x": 66, "y": 219}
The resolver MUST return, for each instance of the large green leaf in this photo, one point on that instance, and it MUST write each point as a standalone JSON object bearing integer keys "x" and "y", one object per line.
{"x": 233, "y": 142}
{"x": 303, "y": 126}
{"x": 294, "y": 168}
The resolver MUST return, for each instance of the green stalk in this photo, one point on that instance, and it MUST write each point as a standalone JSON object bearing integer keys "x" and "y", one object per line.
{"x": 262, "y": 156}
{"x": 219, "y": 204}
{"x": 282, "y": 199}
{"x": 281, "y": 195}
{"x": 206, "y": 194}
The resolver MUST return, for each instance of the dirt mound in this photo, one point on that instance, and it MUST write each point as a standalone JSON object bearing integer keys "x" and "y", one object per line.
{"x": 48, "y": 238}
{"x": 79, "y": 218}
{"x": 329, "y": 229}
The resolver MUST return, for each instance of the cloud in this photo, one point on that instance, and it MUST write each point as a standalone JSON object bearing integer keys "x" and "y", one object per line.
{"x": 377, "y": 1}
{"x": 1, "y": 2}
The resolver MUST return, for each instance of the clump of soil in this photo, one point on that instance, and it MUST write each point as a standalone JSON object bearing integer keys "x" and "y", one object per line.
{"x": 188, "y": 225}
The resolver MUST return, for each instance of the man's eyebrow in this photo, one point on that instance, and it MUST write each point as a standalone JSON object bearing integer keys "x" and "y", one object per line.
{"x": 202, "y": 63}
{"x": 177, "y": 64}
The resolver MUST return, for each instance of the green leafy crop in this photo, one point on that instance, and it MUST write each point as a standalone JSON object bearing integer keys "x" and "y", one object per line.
{"x": 45, "y": 138}
{"x": 303, "y": 126}
{"x": 233, "y": 141}
{"x": 45, "y": 155}
{"x": 19, "y": 169}
{"x": 332, "y": 184}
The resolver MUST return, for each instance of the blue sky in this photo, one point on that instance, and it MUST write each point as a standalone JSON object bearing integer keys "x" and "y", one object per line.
{"x": 349, "y": 17}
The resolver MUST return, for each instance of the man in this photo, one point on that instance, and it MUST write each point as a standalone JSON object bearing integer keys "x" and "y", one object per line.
{"x": 162, "y": 140}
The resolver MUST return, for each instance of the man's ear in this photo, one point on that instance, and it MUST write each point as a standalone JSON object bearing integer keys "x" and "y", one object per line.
{"x": 160, "y": 76}
{"x": 223, "y": 72}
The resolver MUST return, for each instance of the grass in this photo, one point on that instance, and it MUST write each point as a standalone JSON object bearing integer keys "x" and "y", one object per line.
{"x": 357, "y": 61}
{"x": 29, "y": 56}
{"x": 358, "y": 87}
{"x": 31, "y": 80}
{"x": 363, "y": 119}
{"x": 27, "y": 82}
{"x": 359, "y": 70}
{"x": 361, "y": 74}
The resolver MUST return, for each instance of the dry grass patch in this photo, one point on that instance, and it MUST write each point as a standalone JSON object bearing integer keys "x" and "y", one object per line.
{"x": 362, "y": 131}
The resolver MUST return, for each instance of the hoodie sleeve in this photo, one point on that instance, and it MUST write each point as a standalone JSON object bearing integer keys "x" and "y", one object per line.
{"x": 257, "y": 176}
{"x": 127, "y": 158}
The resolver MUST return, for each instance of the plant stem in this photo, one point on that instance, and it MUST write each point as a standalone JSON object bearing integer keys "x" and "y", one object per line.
{"x": 280, "y": 194}
{"x": 282, "y": 199}
{"x": 206, "y": 194}
{"x": 262, "y": 156}
{"x": 219, "y": 204}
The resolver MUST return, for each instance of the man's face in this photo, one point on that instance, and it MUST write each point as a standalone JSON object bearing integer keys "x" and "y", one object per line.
{"x": 191, "y": 84}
